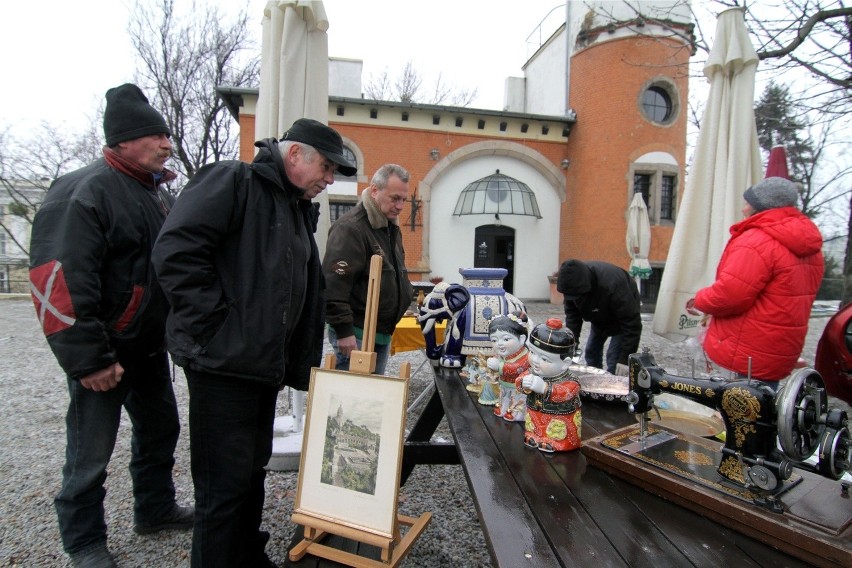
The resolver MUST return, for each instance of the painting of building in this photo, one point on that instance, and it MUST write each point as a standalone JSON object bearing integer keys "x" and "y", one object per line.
{"x": 351, "y": 449}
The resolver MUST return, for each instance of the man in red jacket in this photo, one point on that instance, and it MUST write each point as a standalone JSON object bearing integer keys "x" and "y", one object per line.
{"x": 766, "y": 283}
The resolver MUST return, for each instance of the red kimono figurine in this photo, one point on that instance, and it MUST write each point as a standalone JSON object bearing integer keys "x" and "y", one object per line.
{"x": 508, "y": 333}
{"x": 553, "y": 393}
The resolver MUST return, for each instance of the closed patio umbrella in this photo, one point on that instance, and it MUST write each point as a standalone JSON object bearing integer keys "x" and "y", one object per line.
{"x": 638, "y": 239}
{"x": 293, "y": 85}
{"x": 294, "y": 76}
{"x": 726, "y": 161}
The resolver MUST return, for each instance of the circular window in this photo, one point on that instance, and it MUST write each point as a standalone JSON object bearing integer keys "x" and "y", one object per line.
{"x": 658, "y": 103}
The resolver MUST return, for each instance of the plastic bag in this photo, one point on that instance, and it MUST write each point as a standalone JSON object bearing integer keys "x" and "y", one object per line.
{"x": 695, "y": 347}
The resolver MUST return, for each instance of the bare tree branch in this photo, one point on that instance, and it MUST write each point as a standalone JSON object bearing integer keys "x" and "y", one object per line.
{"x": 804, "y": 31}
{"x": 182, "y": 60}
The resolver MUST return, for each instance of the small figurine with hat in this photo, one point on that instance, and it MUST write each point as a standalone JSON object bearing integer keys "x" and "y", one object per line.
{"x": 508, "y": 333}
{"x": 553, "y": 393}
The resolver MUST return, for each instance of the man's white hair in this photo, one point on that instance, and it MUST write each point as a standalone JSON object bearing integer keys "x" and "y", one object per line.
{"x": 309, "y": 151}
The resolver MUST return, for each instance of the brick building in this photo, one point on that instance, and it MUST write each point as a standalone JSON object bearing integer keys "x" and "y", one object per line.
{"x": 598, "y": 114}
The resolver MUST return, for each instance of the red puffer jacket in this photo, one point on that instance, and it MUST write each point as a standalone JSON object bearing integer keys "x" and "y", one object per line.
{"x": 766, "y": 282}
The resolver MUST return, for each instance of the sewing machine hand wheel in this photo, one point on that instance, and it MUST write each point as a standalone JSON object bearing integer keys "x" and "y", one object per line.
{"x": 834, "y": 453}
{"x": 801, "y": 407}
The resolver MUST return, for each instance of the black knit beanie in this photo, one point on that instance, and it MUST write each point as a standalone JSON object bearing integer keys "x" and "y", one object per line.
{"x": 129, "y": 116}
{"x": 574, "y": 278}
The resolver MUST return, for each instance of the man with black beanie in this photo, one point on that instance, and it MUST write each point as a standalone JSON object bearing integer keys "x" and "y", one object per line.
{"x": 606, "y": 296}
{"x": 104, "y": 314}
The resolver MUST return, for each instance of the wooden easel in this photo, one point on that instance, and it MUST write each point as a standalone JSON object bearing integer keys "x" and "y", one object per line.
{"x": 395, "y": 547}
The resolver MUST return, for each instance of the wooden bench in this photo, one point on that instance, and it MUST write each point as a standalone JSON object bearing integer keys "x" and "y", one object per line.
{"x": 542, "y": 510}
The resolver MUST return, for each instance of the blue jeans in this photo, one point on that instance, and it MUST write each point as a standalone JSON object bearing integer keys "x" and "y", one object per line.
{"x": 382, "y": 354}
{"x": 594, "y": 349}
{"x": 92, "y": 424}
{"x": 230, "y": 432}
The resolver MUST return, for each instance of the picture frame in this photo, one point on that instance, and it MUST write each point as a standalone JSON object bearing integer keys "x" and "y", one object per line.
{"x": 352, "y": 450}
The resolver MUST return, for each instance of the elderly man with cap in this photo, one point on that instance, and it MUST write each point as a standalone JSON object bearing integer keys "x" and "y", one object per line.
{"x": 104, "y": 314}
{"x": 239, "y": 264}
{"x": 766, "y": 283}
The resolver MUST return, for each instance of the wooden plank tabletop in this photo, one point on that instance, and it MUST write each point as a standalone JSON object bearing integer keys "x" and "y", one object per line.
{"x": 556, "y": 510}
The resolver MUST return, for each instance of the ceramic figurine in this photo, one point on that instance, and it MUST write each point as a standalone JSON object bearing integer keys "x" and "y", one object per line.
{"x": 489, "y": 395}
{"x": 553, "y": 393}
{"x": 508, "y": 333}
{"x": 444, "y": 302}
{"x": 475, "y": 370}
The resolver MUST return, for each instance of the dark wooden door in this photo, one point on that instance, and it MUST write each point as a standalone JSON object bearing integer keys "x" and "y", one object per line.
{"x": 495, "y": 248}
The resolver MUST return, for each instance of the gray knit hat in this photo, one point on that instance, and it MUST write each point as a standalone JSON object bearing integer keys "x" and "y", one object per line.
{"x": 771, "y": 193}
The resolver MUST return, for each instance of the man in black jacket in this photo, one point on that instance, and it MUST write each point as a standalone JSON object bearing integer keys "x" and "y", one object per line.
{"x": 103, "y": 314}
{"x": 371, "y": 227}
{"x": 239, "y": 264}
{"x": 606, "y": 296}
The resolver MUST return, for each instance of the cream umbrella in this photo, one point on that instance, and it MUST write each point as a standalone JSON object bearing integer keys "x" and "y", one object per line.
{"x": 294, "y": 76}
{"x": 638, "y": 239}
{"x": 726, "y": 161}
{"x": 293, "y": 85}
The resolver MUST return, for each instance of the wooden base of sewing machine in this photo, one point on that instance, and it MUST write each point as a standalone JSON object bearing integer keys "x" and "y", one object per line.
{"x": 816, "y": 524}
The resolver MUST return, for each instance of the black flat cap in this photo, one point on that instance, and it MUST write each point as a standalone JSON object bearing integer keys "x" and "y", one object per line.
{"x": 324, "y": 138}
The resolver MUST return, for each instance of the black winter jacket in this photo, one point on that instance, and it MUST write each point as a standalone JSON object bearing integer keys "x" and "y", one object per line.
{"x": 90, "y": 266}
{"x": 612, "y": 306}
{"x": 352, "y": 241}
{"x": 239, "y": 264}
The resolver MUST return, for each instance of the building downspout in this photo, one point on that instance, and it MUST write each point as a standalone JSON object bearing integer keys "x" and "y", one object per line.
{"x": 568, "y": 30}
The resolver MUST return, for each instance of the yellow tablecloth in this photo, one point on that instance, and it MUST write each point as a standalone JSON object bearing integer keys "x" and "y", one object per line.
{"x": 408, "y": 337}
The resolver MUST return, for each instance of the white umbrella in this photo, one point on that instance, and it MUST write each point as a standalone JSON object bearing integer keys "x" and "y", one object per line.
{"x": 294, "y": 76}
{"x": 638, "y": 239}
{"x": 726, "y": 161}
{"x": 293, "y": 85}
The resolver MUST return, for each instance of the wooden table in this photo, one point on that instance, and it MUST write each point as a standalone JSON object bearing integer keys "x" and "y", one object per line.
{"x": 556, "y": 510}
{"x": 541, "y": 510}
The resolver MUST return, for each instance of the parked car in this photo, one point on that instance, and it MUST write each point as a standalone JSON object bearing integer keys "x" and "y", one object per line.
{"x": 834, "y": 355}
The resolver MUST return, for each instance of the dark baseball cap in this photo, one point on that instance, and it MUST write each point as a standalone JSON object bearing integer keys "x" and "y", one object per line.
{"x": 325, "y": 139}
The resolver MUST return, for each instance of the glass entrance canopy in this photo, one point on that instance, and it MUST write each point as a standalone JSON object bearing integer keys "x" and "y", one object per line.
{"x": 497, "y": 194}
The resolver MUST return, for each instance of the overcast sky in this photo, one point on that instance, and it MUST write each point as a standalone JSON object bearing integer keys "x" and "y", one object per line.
{"x": 60, "y": 56}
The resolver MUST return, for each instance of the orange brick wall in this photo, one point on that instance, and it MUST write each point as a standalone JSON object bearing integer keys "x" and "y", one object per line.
{"x": 247, "y": 137}
{"x": 611, "y": 132}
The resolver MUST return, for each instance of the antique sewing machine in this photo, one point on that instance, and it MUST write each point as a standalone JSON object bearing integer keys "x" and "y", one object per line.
{"x": 767, "y": 435}
{"x": 780, "y": 476}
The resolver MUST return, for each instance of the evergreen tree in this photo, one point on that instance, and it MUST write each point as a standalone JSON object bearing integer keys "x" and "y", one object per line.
{"x": 780, "y": 122}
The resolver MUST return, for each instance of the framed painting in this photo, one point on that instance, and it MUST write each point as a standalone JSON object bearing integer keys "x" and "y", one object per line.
{"x": 352, "y": 450}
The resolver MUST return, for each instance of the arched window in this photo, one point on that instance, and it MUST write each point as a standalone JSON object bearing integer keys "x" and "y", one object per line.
{"x": 349, "y": 155}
